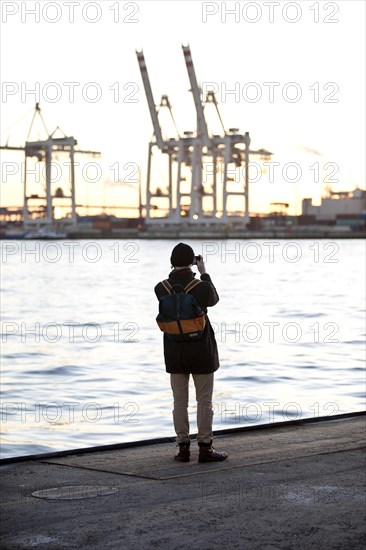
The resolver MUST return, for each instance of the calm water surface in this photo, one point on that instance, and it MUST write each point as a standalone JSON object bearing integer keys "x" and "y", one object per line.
{"x": 82, "y": 361}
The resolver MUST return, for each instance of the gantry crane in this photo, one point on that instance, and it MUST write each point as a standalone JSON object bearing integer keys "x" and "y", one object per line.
{"x": 43, "y": 151}
{"x": 168, "y": 147}
{"x": 180, "y": 151}
{"x": 228, "y": 147}
{"x": 196, "y": 151}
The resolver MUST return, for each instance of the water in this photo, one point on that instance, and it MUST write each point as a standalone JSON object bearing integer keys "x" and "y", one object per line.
{"x": 82, "y": 361}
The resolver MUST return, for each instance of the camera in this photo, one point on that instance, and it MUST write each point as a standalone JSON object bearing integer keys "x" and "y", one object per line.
{"x": 196, "y": 259}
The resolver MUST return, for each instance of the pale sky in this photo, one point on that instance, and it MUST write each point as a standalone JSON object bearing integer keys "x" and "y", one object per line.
{"x": 320, "y": 57}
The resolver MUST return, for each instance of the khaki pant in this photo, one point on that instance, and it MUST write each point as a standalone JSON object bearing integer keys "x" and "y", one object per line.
{"x": 204, "y": 388}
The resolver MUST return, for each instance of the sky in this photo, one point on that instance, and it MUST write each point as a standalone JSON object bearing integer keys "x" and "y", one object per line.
{"x": 296, "y": 72}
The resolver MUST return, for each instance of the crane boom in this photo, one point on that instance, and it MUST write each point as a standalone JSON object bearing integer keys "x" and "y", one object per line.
{"x": 150, "y": 100}
{"x": 212, "y": 99}
{"x": 201, "y": 121}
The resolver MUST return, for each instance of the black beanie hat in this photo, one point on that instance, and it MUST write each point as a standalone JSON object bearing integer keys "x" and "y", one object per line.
{"x": 182, "y": 255}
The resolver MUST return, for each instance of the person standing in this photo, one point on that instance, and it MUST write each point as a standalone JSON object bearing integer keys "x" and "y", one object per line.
{"x": 198, "y": 358}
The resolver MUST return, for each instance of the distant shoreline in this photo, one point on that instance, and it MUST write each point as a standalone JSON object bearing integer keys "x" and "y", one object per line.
{"x": 170, "y": 234}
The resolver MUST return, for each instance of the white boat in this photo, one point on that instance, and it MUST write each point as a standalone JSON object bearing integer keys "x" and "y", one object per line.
{"x": 45, "y": 233}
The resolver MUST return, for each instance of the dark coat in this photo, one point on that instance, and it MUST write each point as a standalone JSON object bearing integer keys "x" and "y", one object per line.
{"x": 197, "y": 356}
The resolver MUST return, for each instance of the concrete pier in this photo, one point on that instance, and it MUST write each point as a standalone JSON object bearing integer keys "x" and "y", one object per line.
{"x": 295, "y": 486}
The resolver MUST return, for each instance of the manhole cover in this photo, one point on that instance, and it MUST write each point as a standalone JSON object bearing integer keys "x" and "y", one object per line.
{"x": 74, "y": 492}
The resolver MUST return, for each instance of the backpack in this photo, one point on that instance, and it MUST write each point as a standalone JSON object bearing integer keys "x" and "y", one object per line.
{"x": 180, "y": 317}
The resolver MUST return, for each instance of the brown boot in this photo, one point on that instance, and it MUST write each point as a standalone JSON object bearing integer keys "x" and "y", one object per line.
{"x": 183, "y": 455}
{"x": 208, "y": 453}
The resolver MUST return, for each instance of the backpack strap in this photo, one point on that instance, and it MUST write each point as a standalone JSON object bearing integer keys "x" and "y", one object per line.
{"x": 192, "y": 284}
{"x": 167, "y": 286}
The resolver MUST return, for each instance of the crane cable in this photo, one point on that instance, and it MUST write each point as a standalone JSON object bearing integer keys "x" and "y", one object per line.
{"x": 37, "y": 110}
{"x": 15, "y": 123}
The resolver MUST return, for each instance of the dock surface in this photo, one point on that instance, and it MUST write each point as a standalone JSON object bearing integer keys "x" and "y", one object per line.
{"x": 283, "y": 487}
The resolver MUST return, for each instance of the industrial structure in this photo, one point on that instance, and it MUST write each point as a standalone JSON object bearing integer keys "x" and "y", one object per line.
{"x": 194, "y": 162}
{"x": 38, "y": 209}
{"x": 337, "y": 205}
{"x": 204, "y": 192}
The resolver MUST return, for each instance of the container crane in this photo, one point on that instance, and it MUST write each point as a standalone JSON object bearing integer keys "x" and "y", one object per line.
{"x": 43, "y": 151}
{"x": 168, "y": 147}
{"x": 229, "y": 147}
{"x": 195, "y": 151}
{"x": 201, "y": 140}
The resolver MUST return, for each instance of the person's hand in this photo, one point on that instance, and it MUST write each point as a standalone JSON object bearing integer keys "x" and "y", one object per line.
{"x": 201, "y": 265}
